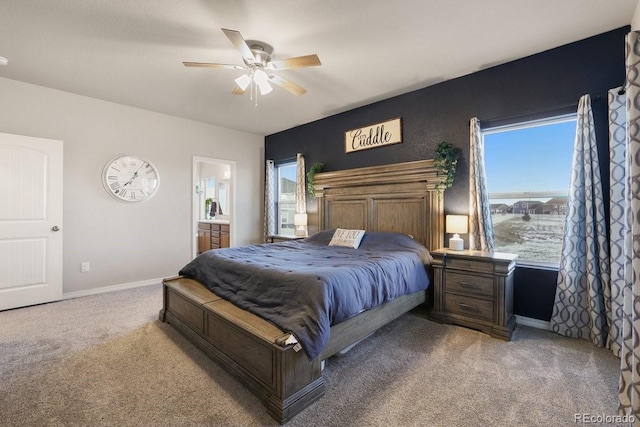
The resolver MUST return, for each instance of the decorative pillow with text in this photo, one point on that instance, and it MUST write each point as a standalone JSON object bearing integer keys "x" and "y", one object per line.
{"x": 348, "y": 238}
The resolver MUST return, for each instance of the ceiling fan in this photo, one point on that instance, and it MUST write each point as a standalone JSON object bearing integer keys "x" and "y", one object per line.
{"x": 261, "y": 69}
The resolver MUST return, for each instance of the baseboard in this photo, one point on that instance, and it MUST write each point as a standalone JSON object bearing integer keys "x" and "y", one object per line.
{"x": 112, "y": 288}
{"x": 534, "y": 323}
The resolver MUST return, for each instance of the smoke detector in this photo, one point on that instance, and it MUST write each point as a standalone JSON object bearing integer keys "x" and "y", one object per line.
{"x": 3, "y": 61}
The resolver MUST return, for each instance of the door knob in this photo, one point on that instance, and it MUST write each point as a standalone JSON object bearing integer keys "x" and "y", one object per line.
{"x": 55, "y": 228}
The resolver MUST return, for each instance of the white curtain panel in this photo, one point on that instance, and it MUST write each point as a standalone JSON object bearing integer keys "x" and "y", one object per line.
{"x": 630, "y": 352}
{"x": 301, "y": 192}
{"x": 480, "y": 225}
{"x": 269, "y": 200}
{"x": 301, "y": 189}
{"x": 579, "y": 308}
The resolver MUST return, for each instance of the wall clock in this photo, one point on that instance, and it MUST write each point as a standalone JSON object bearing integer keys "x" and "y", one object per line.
{"x": 130, "y": 178}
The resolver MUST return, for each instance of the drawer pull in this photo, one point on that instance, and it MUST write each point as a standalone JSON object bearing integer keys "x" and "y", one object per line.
{"x": 468, "y": 307}
{"x": 469, "y": 285}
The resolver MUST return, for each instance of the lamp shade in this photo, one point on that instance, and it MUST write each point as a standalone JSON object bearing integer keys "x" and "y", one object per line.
{"x": 265, "y": 88}
{"x": 260, "y": 77}
{"x": 457, "y": 224}
{"x": 243, "y": 81}
{"x": 300, "y": 219}
{"x": 300, "y": 223}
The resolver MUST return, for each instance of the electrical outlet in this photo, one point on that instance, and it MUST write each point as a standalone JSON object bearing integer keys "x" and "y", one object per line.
{"x": 84, "y": 267}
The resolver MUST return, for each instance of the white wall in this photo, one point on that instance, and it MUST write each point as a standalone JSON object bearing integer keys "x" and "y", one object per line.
{"x": 127, "y": 243}
{"x": 635, "y": 20}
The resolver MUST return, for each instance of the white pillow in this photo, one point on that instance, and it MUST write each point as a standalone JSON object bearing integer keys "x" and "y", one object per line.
{"x": 348, "y": 238}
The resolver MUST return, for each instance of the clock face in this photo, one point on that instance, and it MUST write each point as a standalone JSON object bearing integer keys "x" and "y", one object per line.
{"x": 130, "y": 178}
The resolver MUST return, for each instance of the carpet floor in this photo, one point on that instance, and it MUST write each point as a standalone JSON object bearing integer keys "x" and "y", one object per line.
{"x": 105, "y": 360}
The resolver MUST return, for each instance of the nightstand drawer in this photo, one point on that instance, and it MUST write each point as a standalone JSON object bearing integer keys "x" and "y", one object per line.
{"x": 469, "y": 306}
{"x": 468, "y": 283}
{"x": 470, "y": 265}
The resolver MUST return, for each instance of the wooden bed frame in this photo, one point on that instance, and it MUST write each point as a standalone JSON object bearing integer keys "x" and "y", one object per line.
{"x": 397, "y": 198}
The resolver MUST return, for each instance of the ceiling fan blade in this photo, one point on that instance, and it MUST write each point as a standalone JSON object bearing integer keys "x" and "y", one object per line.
{"x": 242, "y": 46}
{"x": 237, "y": 91}
{"x": 297, "y": 62}
{"x": 287, "y": 85}
{"x": 212, "y": 65}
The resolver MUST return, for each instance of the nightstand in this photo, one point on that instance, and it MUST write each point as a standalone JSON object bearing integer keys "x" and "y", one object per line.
{"x": 474, "y": 289}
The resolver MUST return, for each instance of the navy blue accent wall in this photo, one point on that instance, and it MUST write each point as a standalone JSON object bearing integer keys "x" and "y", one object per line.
{"x": 541, "y": 84}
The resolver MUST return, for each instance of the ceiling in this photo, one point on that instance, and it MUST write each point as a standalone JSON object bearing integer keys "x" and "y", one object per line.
{"x": 131, "y": 52}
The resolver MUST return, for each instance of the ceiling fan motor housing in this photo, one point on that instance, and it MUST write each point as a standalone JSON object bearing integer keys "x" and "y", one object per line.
{"x": 262, "y": 55}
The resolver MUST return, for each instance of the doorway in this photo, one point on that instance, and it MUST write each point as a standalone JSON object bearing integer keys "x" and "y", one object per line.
{"x": 213, "y": 195}
{"x": 30, "y": 220}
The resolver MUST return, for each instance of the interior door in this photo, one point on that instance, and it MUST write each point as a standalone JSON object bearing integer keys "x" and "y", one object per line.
{"x": 30, "y": 220}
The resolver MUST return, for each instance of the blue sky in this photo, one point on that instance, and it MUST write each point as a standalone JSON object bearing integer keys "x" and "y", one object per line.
{"x": 289, "y": 171}
{"x": 530, "y": 159}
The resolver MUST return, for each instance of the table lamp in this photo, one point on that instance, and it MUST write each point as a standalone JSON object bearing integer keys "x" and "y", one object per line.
{"x": 457, "y": 224}
{"x": 300, "y": 222}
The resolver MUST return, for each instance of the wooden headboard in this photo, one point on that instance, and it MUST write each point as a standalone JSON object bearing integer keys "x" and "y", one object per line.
{"x": 399, "y": 198}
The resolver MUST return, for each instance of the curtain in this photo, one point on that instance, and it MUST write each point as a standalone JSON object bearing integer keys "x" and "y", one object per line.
{"x": 619, "y": 218}
{"x": 480, "y": 225}
{"x": 301, "y": 190}
{"x": 269, "y": 200}
{"x": 579, "y": 308}
{"x": 630, "y": 351}
{"x": 301, "y": 197}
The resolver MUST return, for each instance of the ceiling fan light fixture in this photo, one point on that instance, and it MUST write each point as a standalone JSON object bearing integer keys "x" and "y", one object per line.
{"x": 265, "y": 88}
{"x": 260, "y": 77}
{"x": 243, "y": 81}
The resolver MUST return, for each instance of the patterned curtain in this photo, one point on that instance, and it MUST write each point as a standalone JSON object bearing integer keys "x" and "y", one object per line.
{"x": 480, "y": 225}
{"x": 269, "y": 200}
{"x": 579, "y": 308}
{"x": 301, "y": 189}
{"x": 619, "y": 217}
{"x": 301, "y": 193}
{"x": 630, "y": 352}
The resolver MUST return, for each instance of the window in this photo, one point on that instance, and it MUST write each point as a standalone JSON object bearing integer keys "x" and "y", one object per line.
{"x": 528, "y": 168}
{"x": 210, "y": 188}
{"x": 208, "y": 196}
{"x": 285, "y": 174}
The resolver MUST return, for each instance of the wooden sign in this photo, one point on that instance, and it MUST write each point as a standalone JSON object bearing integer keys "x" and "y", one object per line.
{"x": 385, "y": 133}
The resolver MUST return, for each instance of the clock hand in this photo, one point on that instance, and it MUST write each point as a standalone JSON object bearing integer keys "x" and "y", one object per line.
{"x": 135, "y": 175}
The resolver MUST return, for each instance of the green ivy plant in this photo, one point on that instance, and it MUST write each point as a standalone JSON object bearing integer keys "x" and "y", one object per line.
{"x": 315, "y": 168}
{"x": 445, "y": 162}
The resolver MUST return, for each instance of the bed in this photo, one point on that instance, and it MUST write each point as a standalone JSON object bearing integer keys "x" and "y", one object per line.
{"x": 280, "y": 367}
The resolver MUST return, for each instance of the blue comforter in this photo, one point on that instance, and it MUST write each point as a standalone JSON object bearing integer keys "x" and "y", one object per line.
{"x": 305, "y": 286}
